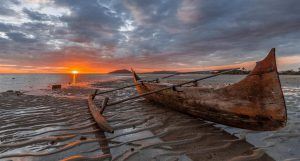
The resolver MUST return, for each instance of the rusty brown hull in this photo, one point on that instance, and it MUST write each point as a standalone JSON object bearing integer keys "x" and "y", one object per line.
{"x": 255, "y": 103}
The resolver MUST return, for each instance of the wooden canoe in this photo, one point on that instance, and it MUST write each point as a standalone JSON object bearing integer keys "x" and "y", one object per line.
{"x": 255, "y": 103}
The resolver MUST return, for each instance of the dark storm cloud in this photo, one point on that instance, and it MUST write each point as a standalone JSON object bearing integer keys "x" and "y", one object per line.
{"x": 187, "y": 32}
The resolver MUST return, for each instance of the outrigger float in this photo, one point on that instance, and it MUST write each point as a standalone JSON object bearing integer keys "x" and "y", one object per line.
{"x": 255, "y": 103}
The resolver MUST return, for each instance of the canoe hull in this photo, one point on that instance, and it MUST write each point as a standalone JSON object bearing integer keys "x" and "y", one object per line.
{"x": 255, "y": 103}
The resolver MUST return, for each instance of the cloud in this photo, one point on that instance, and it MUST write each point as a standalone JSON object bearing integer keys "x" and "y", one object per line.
{"x": 21, "y": 37}
{"x": 5, "y": 9}
{"x": 188, "y": 12}
{"x": 37, "y": 1}
{"x": 33, "y": 15}
{"x": 150, "y": 34}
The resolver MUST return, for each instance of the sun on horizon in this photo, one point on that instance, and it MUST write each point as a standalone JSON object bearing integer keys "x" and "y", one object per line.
{"x": 74, "y": 72}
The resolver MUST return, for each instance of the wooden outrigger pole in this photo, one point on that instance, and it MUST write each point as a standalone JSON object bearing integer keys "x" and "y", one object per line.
{"x": 170, "y": 87}
{"x": 156, "y": 80}
{"x": 97, "y": 113}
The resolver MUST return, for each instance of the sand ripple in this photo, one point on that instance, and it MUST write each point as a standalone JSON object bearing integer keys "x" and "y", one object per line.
{"x": 58, "y": 128}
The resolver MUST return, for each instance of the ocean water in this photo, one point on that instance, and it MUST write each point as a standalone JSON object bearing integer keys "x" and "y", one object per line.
{"x": 29, "y": 82}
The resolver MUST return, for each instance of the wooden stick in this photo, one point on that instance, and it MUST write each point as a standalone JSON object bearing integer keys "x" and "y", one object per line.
{"x": 104, "y": 104}
{"x": 95, "y": 93}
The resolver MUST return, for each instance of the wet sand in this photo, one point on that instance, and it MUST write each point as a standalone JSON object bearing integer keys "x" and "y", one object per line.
{"x": 58, "y": 126}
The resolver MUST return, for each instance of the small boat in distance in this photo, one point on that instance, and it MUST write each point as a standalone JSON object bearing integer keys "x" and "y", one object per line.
{"x": 255, "y": 103}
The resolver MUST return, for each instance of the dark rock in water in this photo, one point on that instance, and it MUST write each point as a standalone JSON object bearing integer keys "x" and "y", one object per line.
{"x": 10, "y": 91}
{"x": 56, "y": 86}
{"x": 13, "y": 78}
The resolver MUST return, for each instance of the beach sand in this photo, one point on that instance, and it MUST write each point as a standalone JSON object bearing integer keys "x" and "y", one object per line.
{"x": 57, "y": 125}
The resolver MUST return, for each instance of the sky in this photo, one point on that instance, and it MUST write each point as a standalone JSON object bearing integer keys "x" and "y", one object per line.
{"x": 98, "y": 36}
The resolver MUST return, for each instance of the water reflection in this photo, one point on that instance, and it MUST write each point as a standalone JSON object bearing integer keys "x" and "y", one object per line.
{"x": 74, "y": 78}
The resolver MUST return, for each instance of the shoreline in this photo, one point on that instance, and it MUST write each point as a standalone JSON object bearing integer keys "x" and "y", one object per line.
{"x": 162, "y": 127}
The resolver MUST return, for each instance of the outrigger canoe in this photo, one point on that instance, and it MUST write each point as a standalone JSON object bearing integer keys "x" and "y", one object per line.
{"x": 255, "y": 103}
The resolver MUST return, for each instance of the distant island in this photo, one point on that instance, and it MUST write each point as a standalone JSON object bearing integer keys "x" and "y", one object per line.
{"x": 121, "y": 71}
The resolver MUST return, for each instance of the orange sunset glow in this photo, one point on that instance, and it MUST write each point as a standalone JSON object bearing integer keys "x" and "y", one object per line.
{"x": 80, "y": 37}
{"x": 284, "y": 62}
